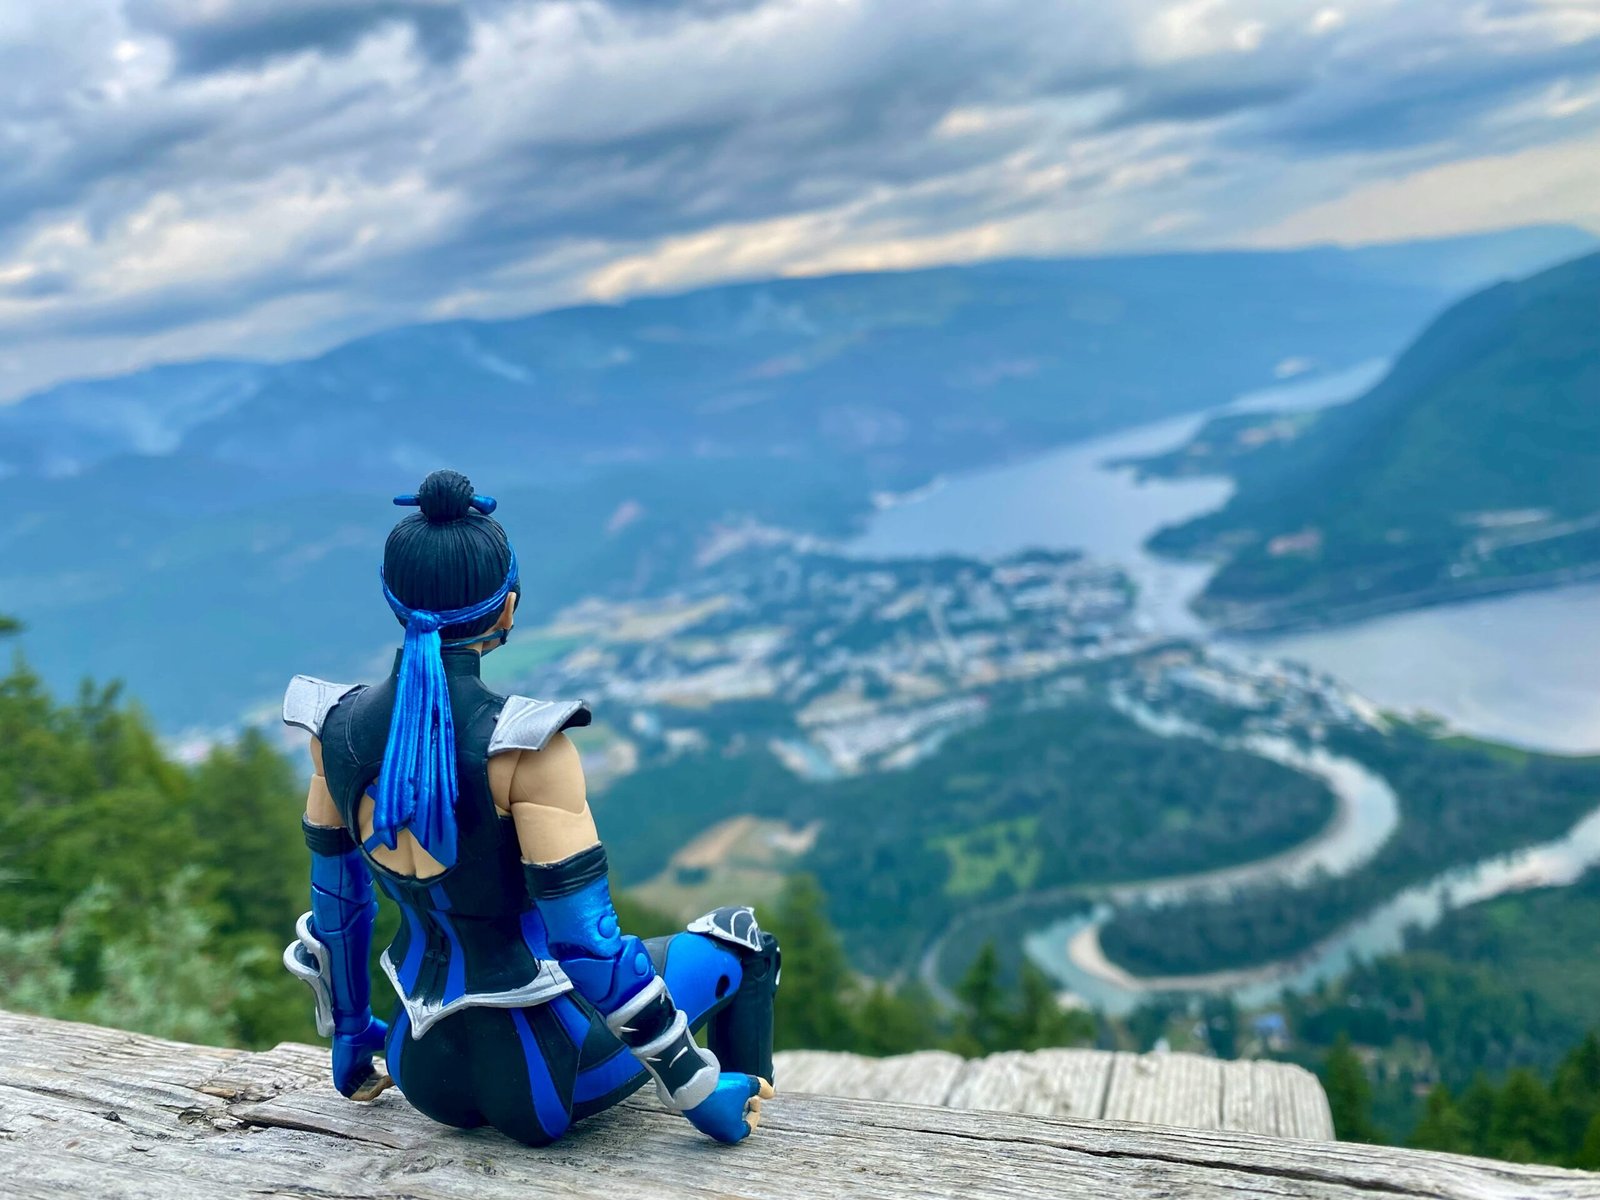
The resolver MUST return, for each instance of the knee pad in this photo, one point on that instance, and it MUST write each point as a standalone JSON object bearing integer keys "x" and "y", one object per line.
{"x": 735, "y": 926}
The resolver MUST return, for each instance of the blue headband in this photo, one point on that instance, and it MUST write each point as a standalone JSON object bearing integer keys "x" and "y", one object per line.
{"x": 417, "y": 784}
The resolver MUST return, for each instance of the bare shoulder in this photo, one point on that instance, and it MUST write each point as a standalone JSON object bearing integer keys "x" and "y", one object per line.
{"x": 551, "y": 777}
{"x": 320, "y": 807}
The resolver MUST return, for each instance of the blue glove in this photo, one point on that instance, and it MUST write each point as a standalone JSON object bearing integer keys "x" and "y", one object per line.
{"x": 352, "y": 1061}
{"x": 733, "y": 1110}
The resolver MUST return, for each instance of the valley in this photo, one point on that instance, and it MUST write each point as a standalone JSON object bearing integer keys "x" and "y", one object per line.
{"x": 982, "y": 679}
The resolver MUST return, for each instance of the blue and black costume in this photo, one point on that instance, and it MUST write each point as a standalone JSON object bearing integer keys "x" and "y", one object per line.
{"x": 521, "y": 1003}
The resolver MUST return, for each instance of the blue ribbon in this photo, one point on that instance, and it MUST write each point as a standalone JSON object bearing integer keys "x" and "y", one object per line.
{"x": 417, "y": 784}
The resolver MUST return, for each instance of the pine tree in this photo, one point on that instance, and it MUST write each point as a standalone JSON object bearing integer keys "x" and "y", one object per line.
{"x": 1588, "y": 1156}
{"x": 894, "y": 1022}
{"x": 1442, "y": 1126}
{"x": 1575, "y": 1094}
{"x": 811, "y": 1014}
{"x": 983, "y": 1025}
{"x": 1039, "y": 1021}
{"x": 1520, "y": 1129}
{"x": 1477, "y": 1109}
{"x": 1349, "y": 1093}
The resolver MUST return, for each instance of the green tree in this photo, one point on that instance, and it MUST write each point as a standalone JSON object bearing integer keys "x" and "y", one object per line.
{"x": 1477, "y": 1110}
{"x": 888, "y": 1021}
{"x": 1349, "y": 1094}
{"x": 1588, "y": 1155}
{"x": 1575, "y": 1093}
{"x": 983, "y": 1026}
{"x": 157, "y": 968}
{"x": 1442, "y": 1126}
{"x": 1523, "y": 1120}
{"x": 811, "y": 1012}
{"x": 1040, "y": 1021}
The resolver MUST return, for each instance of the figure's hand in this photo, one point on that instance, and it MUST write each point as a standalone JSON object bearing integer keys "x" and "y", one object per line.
{"x": 733, "y": 1110}
{"x": 353, "y": 1073}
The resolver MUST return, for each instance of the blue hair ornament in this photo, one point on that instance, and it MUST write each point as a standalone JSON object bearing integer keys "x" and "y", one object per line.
{"x": 483, "y": 504}
{"x": 417, "y": 784}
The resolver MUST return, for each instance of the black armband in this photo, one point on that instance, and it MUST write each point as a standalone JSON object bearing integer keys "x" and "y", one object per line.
{"x": 328, "y": 842}
{"x": 555, "y": 880}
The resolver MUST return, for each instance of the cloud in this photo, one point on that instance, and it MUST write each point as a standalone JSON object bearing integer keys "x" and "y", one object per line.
{"x": 182, "y": 177}
{"x": 212, "y": 35}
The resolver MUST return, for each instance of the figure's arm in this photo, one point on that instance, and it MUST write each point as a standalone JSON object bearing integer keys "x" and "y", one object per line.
{"x": 335, "y": 940}
{"x": 566, "y": 871}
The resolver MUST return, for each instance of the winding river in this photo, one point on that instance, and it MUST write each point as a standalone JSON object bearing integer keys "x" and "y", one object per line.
{"x": 1503, "y": 668}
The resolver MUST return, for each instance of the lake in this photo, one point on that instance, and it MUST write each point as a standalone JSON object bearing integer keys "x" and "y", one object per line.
{"x": 1523, "y": 668}
{"x": 1520, "y": 668}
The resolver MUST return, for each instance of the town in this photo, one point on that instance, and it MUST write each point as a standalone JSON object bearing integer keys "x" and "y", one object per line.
{"x": 844, "y": 666}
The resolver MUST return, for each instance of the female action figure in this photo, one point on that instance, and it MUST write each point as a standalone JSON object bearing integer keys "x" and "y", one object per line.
{"x": 522, "y": 1005}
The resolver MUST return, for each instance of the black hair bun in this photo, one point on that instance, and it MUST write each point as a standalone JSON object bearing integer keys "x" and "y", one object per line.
{"x": 445, "y": 496}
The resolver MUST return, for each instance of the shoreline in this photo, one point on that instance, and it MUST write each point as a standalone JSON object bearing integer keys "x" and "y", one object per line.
{"x": 1268, "y": 621}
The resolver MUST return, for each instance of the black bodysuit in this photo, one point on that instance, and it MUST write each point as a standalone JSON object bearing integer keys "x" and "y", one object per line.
{"x": 488, "y": 1029}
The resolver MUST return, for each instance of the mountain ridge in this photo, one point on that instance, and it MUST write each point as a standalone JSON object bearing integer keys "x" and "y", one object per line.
{"x": 248, "y": 522}
{"x": 1469, "y": 469}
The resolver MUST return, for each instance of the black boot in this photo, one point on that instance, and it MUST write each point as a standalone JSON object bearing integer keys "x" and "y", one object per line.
{"x": 740, "y": 1035}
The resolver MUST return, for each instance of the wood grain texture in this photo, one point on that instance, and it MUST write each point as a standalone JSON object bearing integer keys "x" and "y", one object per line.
{"x": 1278, "y": 1099}
{"x": 88, "y": 1112}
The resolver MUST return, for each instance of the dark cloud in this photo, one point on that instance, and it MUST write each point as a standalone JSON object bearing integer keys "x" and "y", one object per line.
{"x": 247, "y": 33}
{"x": 1440, "y": 97}
{"x": 1203, "y": 92}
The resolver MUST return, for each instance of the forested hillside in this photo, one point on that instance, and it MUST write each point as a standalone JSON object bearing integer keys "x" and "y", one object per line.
{"x": 1471, "y": 467}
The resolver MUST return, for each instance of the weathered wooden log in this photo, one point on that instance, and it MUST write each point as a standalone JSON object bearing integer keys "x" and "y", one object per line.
{"x": 91, "y": 1112}
{"x": 1185, "y": 1090}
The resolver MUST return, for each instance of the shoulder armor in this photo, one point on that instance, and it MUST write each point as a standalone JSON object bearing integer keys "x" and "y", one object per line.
{"x": 526, "y": 724}
{"x": 308, "y": 701}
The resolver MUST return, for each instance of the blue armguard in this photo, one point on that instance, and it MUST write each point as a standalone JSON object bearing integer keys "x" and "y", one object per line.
{"x": 613, "y": 971}
{"x": 342, "y": 913}
{"x": 607, "y": 967}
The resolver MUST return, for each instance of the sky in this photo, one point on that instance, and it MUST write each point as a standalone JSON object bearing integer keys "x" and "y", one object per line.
{"x": 264, "y": 178}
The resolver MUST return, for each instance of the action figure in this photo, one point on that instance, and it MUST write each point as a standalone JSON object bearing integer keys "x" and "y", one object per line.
{"x": 522, "y": 1005}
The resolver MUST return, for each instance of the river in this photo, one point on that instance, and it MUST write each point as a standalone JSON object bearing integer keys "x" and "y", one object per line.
{"x": 1070, "y": 950}
{"x": 1517, "y": 668}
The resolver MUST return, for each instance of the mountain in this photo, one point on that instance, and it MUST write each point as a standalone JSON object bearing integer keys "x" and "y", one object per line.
{"x": 1473, "y": 467}
{"x": 207, "y": 529}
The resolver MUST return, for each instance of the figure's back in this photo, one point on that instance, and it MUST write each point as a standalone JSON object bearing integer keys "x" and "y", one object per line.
{"x": 470, "y": 812}
{"x": 470, "y": 934}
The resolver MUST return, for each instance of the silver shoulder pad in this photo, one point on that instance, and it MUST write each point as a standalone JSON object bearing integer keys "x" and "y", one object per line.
{"x": 734, "y": 924}
{"x": 308, "y": 701}
{"x": 526, "y": 724}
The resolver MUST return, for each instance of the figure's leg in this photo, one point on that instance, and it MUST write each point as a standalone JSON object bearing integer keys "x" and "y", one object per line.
{"x": 722, "y": 973}
{"x": 725, "y": 968}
